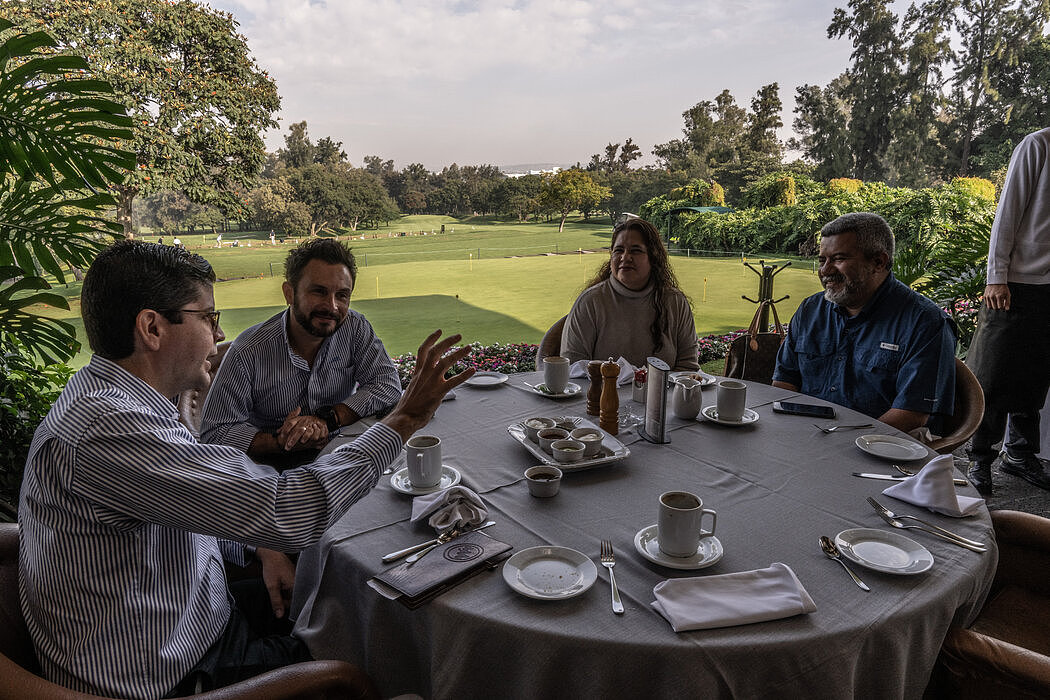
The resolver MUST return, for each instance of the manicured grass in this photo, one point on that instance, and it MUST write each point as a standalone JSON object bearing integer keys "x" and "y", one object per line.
{"x": 494, "y": 299}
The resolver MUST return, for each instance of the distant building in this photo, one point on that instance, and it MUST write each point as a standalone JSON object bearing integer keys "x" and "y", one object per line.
{"x": 521, "y": 171}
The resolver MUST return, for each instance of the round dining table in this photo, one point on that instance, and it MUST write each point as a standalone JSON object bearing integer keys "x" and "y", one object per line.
{"x": 777, "y": 484}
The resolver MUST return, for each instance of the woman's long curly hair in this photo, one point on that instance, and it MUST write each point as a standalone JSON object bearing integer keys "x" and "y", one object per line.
{"x": 660, "y": 273}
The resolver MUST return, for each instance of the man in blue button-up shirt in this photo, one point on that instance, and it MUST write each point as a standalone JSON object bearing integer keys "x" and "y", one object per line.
{"x": 868, "y": 341}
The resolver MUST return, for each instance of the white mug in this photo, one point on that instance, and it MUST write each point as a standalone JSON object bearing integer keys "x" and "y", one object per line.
{"x": 730, "y": 399}
{"x": 679, "y": 527}
{"x": 556, "y": 373}
{"x": 424, "y": 461}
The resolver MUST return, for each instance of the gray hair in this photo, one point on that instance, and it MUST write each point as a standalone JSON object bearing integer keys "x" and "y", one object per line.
{"x": 873, "y": 233}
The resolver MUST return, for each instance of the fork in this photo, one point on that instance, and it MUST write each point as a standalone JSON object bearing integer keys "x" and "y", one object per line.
{"x": 883, "y": 509}
{"x": 912, "y": 472}
{"x": 609, "y": 561}
{"x": 834, "y": 428}
{"x": 893, "y": 522}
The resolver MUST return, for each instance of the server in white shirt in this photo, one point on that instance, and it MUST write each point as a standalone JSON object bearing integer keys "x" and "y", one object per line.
{"x": 287, "y": 383}
{"x": 1010, "y": 353}
{"x": 125, "y": 517}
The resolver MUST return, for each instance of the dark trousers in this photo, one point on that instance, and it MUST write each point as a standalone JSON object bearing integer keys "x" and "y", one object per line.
{"x": 253, "y": 642}
{"x": 1010, "y": 355}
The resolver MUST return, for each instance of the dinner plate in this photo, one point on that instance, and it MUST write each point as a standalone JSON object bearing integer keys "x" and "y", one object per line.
{"x": 486, "y": 379}
{"x": 711, "y": 413}
{"x": 884, "y": 551}
{"x": 450, "y": 476}
{"x": 709, "y": 552}
{"x": 571, "y": 389}
{"x": 704, "y": 378}
{"x": 550, "y": 573}
{"x": 891, "y": 447}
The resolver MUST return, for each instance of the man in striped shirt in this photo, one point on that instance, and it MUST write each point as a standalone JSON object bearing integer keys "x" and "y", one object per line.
{"x": 125, "y": 517}
{"x": 288, "y": 382}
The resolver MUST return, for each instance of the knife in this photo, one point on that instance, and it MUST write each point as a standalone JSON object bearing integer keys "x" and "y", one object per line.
{"x": 394, "y": 556}
{"x": 893, "y": 477}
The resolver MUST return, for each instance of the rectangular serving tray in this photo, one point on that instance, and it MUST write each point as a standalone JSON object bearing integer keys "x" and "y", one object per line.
{"x": 612, "y": 449}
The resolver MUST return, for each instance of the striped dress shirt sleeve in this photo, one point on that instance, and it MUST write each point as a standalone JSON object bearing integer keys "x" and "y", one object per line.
{"x": 121, "y": 510}
{"x": 261, "y": 380}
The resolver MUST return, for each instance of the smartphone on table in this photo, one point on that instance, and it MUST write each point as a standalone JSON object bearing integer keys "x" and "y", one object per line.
{"x": 804, "y": 409}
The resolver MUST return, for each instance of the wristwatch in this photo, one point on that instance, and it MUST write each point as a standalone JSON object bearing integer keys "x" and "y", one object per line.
{"x": 327, "y": 414}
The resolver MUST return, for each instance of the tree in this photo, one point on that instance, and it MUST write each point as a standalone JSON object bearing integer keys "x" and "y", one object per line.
{"x": 616, "y": 159}
{"x": 994, "y": 34}
{"x": 874, "y": 81}
{"x": 823, "y": 121}
{"x": 60, "y": 136}
{"x": 573, "y": 189}
{"x": 197, "y": 99}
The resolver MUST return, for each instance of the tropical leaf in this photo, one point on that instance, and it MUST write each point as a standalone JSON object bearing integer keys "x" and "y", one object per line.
{"x": 61, "y": 139}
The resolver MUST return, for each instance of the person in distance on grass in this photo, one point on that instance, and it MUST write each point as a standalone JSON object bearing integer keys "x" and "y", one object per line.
{"x": 125, "y": 518}
{"x": 869, "y": 342}
{"x": 633, "y": 307}
{"x": 287, "y": 383}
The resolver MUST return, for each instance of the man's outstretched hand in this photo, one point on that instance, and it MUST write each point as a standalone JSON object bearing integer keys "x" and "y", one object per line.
{"x": 429, "y": 385}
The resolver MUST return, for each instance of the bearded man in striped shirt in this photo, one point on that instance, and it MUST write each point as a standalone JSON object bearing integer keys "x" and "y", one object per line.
{"x": 286, "y": 384}
{"x": 125, "y": 518}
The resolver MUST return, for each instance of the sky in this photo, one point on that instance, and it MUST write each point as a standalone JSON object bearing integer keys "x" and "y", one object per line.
{"x": 508, "y": 82}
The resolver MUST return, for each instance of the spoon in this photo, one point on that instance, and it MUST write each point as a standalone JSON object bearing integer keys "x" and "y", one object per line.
{"x": 833, "y": 553}
{"x": 912, "y": 472}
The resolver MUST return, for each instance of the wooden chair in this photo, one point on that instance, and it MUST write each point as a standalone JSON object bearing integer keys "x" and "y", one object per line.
{"x": 1005, "y": 653}
{"x": 551, "y": 343}
{"x": 191, "y": 401}
{"x": 19, "y": 679}
{"x": 969, "y": 409}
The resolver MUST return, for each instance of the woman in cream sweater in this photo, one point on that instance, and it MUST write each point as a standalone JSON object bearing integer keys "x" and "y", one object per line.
{"x": 633, "y": 306}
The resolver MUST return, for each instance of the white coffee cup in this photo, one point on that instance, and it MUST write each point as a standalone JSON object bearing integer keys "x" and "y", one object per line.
{"x": 730, "y": 399}
{"x": 556, "y": 373}
{"x": 424, "y": 461}
{"x": 679, "y": 527}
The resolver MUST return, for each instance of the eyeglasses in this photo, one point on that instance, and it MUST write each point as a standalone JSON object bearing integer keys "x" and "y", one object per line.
{"x": 212, "y": 316}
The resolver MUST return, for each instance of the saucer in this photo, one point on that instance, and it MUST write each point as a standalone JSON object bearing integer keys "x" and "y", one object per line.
{"x": 891, "y": 447}
{"x": 711, "y": 414}
{"x": 450, "y": 476}
{"x": 550, "y": 573}
{"x": 571, "y": 389}
{"x": 486, "y": 379}
{"x": 709, "y": 552}
{"x": 701, "y": 376}
{"x": 884, "y": 551}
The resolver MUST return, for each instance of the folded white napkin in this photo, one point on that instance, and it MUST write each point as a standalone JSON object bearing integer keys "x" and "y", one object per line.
{"x": 706, "y": 602}
{"x": 456, "y": 506}
{"x": 579, "y": 369}
{"x": 932, "y": 488}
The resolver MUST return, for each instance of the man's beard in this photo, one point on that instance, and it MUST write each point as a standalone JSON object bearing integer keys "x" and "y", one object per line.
{"x": 850, "y": 292}
{"x": 306, "y": 322}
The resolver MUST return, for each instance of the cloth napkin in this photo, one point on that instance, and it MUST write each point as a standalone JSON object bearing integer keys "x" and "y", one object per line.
{"x": 707, "y": 602}
{"x": 579, "y": 369}
{"x": 932, "y": 488}
{"x": 456, "y": 506}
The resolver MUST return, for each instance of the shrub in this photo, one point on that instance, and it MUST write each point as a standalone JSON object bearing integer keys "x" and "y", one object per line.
{"x": 976, "y": 187}
{"x": 844, "y": 185}
{"x": 27, "y": 391}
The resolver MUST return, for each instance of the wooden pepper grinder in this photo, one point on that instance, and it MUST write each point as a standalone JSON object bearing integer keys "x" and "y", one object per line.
{"x": 609, "y": 419}
{"x": 594, "y": 394}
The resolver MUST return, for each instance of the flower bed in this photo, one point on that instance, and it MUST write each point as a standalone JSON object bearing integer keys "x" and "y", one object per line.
{"x": 511, "y": 358}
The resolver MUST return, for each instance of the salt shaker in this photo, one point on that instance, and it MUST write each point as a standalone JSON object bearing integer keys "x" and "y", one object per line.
{"x": 609, "y": 418}
{"x": 639, "y": 385}
{"x": 594, "y": 395}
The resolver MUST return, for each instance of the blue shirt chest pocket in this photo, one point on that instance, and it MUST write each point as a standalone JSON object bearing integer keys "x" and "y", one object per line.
{"x": 814, "y": 355}
{"x": 878, "y": 360}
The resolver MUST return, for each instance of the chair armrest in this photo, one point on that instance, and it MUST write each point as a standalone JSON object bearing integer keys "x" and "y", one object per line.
{"x": 311, "y": 679}
{"x": 980, "y": 666}
{"x": 1024, "y": 550}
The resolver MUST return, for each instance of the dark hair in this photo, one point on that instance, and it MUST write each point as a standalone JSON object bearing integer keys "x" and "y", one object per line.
{"x": 874, "y": 235}
{"x": 660, "y": 273}
{"x": 325, "y": 249}
{"x": 130, "y": 276}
